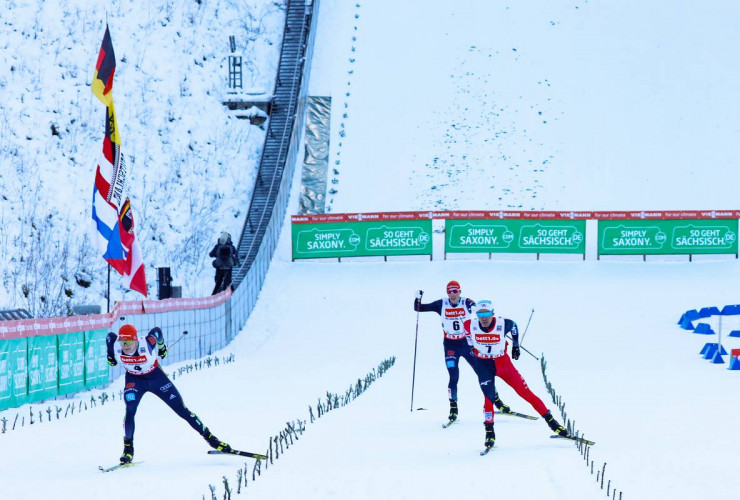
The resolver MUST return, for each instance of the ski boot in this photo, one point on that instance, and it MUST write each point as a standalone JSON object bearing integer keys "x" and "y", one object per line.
{"x": 490, "y": 436}
{"x": 500, "y": 405}
{"x": 555, "y": 425}
{"x": 453, "y": 410}
{"x": 215, "y": 443}
{"x": 128, "y": 451}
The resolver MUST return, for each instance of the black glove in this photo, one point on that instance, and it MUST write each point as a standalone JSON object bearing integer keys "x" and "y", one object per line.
{"x": 515, "y": 352}
{"x": 111, "y": 338}
{"x": 419, "y": 293}
{"x": 162, "y": 351}
{"x": 112, "y": 360}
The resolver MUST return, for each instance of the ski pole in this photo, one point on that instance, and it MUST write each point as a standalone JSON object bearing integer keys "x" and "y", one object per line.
{"x": 525, "y": 349}
{"x": 527, "y": 327}
{"x": 184, "y": 332}
{"x": 413, "y": 376}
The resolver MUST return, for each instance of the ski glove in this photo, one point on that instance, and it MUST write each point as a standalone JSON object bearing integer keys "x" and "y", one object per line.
{"x": 162, "y": 351}
{"x": 515, "y": 352}
{"x": 419, "y": 293}
{"x": 110, "y": 339}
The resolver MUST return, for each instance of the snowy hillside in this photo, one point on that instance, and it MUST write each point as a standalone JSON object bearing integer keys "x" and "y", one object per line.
{"x": 192, "y": 164}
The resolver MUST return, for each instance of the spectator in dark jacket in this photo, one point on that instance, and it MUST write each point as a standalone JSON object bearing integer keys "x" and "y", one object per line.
{"x": 225, "y": 258}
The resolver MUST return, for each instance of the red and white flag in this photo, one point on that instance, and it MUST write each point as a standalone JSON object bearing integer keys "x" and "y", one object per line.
{"x": 111, "y": 208}
{"x": 133, "y": 270}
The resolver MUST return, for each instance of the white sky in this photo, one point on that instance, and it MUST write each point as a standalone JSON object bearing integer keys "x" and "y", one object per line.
{"x": 635, "y": 93}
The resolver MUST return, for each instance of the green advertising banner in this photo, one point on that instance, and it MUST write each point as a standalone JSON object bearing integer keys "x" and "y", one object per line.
{"x": 96, "y": 363}
{"x": 673, "y": 236}
{"x": 515, "y": 236}
{"x": 13, "y": 373}
{"x": 42, "y": 367}
{"x": 71, "y": 362}
{"x": 357, "y": 239}
{"x": 6, "y": 376}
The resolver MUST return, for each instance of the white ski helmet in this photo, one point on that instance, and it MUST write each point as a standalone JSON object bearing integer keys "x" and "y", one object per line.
{"x": 484, "y": 309}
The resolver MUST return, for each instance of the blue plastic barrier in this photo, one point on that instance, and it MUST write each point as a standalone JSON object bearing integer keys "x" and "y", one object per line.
{"x": 706, "y": 312}
{"x": 733, "y": 310}
{"x": 717, "y": 358}
{"x": 710, "y": 349}
{"x": 686, "y": 324}
{"x": 692, "y": 314}
{"x": 704, "y": 329}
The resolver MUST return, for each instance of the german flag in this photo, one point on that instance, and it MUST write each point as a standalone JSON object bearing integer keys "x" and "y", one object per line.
{"x": 102, "y": 83}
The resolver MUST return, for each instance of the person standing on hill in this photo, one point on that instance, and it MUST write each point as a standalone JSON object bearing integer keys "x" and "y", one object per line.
{"x": 487, "y": 336}
{"x": 225, "y": 258}
{"x": 455, "y": 310}
{"x": 140, "y": 355}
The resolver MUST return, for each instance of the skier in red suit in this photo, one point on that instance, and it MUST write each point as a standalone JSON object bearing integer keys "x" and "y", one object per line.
{"x": 454, "y": 310}
{"x": 487, "y": 338}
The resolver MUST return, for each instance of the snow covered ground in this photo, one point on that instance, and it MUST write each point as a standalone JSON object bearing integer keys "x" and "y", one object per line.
{"x": 639, "y": 104}
{"x": 662, "y": 417}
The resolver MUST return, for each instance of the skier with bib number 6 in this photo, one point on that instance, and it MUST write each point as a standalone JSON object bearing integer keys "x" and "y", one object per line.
{"x": 455, "y": 310}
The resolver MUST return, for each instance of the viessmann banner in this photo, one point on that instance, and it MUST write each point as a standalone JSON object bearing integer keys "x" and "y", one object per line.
{"x": 515, "y": 236}
{"x": 662, "y": 237}
{"x": 356, "y": 235}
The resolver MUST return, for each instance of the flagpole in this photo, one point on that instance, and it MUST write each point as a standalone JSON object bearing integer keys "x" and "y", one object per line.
{"x": 108, "y": 288}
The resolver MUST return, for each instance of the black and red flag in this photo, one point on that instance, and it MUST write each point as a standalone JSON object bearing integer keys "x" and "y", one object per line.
{"x": 104, "y": 69}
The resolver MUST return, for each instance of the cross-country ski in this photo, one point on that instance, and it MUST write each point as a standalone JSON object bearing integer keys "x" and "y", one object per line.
{"x": 118, "y": 466}
{"x": 516, "y": 414}
{"x": 239, "y": 453}
{"x": 573, "y": 438}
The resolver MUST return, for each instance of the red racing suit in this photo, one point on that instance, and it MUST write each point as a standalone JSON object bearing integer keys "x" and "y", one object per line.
{"x": 505, "y": 368}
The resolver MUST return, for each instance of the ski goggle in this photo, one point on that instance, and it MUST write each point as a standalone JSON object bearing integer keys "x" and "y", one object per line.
{"x": 127, "y": 343}
{"x": 484, "y": 314}
{"x": 453, "y": 290}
